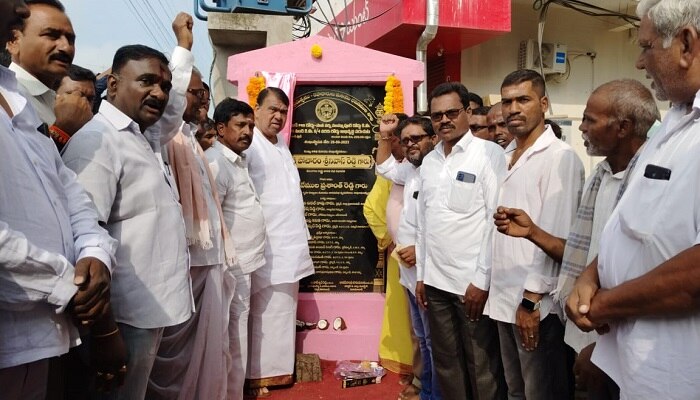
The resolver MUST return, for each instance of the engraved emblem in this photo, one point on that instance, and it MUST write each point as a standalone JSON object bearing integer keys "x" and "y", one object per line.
{"x": 326, "y": 110}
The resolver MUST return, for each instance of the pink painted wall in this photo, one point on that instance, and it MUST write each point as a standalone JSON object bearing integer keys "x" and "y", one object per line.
{"x": 341, "y": 64}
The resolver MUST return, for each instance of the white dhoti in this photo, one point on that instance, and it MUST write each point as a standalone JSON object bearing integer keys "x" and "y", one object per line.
{"x": 191, "y": 360}
{"x": 272, "y": 330}
{"x": 238, "y": 337}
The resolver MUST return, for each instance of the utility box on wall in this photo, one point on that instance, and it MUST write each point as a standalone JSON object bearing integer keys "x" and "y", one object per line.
{"x": 553, "y": 60}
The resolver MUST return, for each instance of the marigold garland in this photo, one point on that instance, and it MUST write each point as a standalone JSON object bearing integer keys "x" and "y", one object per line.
{"x": 393, "y": 101}
{"x": 316, "y": 51}
{"x": 255, "y": 85}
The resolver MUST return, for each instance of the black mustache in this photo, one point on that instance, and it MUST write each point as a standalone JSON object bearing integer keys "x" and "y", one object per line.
{"x": 446, "y": 124}
{"x": 154, "y": 103}
{"x": 514, "y": 119}
{"x": 61, "y": 56}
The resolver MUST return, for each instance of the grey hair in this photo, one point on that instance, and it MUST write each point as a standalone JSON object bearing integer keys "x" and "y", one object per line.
{"x": 670, "y": 16}
{"x": 631, "y": 100}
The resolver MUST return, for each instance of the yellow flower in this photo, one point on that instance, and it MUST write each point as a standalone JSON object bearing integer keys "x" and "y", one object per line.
{"x": 393, "y": 100}
{"x": 255, "y": 85}
{"x": 316, "y": 51}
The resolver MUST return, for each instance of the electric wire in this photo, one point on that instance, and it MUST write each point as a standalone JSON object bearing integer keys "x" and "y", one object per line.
{"x": 333, "y": 28}
{"x": 152, "y": 15}
{"x": 148, "y": 30}
{"x": 355, "y": 23}
{"x": 334, "y": 19}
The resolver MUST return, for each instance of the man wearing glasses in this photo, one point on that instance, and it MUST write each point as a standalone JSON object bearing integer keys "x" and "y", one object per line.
{"x": 459, "y": 184}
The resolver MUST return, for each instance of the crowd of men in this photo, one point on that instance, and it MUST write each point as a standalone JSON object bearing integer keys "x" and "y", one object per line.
{"x": 133, "y": 264}
{"x": 143, "y": 253}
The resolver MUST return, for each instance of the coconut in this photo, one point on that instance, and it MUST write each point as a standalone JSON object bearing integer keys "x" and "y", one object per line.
{"x": 322, "y": 324}
{"x": 339, "y": 324}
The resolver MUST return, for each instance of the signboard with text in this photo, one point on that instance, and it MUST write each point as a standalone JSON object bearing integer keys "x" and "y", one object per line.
{"x": 333, "y": 138}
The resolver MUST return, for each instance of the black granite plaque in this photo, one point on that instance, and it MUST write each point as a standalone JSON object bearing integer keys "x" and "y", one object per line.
{"x": 333, "y": 138}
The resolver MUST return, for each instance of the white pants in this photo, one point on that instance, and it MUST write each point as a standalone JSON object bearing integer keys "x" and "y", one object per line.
{"x": 272, "y": 330}
{"x": 238, "y": 338}
{"x": 191, "y": 361}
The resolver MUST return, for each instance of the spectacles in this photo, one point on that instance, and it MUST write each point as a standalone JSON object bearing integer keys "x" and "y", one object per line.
{"x": 201, "y": 93}
{"x": 407, "y": 141}
{"x": 451, "y": 114}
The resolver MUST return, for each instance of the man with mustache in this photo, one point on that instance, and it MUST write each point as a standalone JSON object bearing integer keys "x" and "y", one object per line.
{"x": 42, "y": 51}
{"x": 544, "y": 179}
{"x": 275, "y": 286}
{"x": 642, "y": 290}
{"x": 615, "y": 123}
{"x": 244, "y": 218}
{"x": 135, "y": 198}
{"x": 417, "y": 139}
{"x": 497, "y": 126}
{"x": 459, "y": 183}
{"x": 191, "y": 363}
{"x": 55, "y": 260}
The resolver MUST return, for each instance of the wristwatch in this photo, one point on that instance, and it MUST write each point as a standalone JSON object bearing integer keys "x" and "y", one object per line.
{"x": 529, "y": 304}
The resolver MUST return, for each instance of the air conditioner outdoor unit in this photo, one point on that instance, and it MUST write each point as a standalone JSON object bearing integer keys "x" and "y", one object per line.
{"x": 553, "y": 56}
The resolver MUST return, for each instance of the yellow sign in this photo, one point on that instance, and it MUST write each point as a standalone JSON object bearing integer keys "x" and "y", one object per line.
{"x": 330, "y": 161}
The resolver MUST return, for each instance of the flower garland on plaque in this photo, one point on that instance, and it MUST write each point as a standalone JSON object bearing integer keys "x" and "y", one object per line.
{"x": 255, "y": 85}
{"x": 393, "y": 101}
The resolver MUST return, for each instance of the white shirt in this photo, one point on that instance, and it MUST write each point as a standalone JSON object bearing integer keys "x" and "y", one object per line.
{"x": 241, "y": 207}
{"x": 655, "y": 358}
{"x": 604, "y": 204}
{"x": 546, "y": 183}
{"x": 42, "y": 98}
{"x": 153, "y": 288}
{"x": 455, "y": 214}
{"x": 407, "y": 175}
{"x": 277, "y": 182}
{"x": 47, "y": 223}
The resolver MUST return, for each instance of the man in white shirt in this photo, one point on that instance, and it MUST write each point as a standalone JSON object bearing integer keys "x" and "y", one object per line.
{"x": 615, "y": 124}
{"x": 42, "y": 51}
{"x": 191, "y": 359}
{"x": 244, "y": 218}
{"x": 459, "y": 183}
{"x": 134, "y": 200}
{"x": 545, "y": 178}
{"x": 275, "y": 286}
{"x": 55, "y": 260}
{"x": 498, "y": 128}
{"x": 642, "y": 290}
{"x": 417, "y": 138}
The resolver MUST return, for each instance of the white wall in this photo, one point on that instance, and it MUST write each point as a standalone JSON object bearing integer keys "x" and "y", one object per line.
{"x": 484, "y": 66}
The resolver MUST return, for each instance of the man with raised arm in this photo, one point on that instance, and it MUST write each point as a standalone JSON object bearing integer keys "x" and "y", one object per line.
{"x": 135, "y": 198}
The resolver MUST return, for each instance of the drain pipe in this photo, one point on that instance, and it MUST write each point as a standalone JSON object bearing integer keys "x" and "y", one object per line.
{"x": 432, "y": 13}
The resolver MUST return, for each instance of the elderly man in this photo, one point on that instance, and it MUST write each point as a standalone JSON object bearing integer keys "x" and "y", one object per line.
{"x": 615, "y": 123}
{"x": 55, "y": 260}
{"x": 191, "y": 362}
{"x": 135, "y": 200}
{"x": 275, "y": 286}
{"x": 42, "y": 52}
{"x": 498, "y": 129}
{"x": 459, "y": 184}
{"x": 244, "y": 218}
{"x": 642, "y": 291}
{"x": 544, "y": 178}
